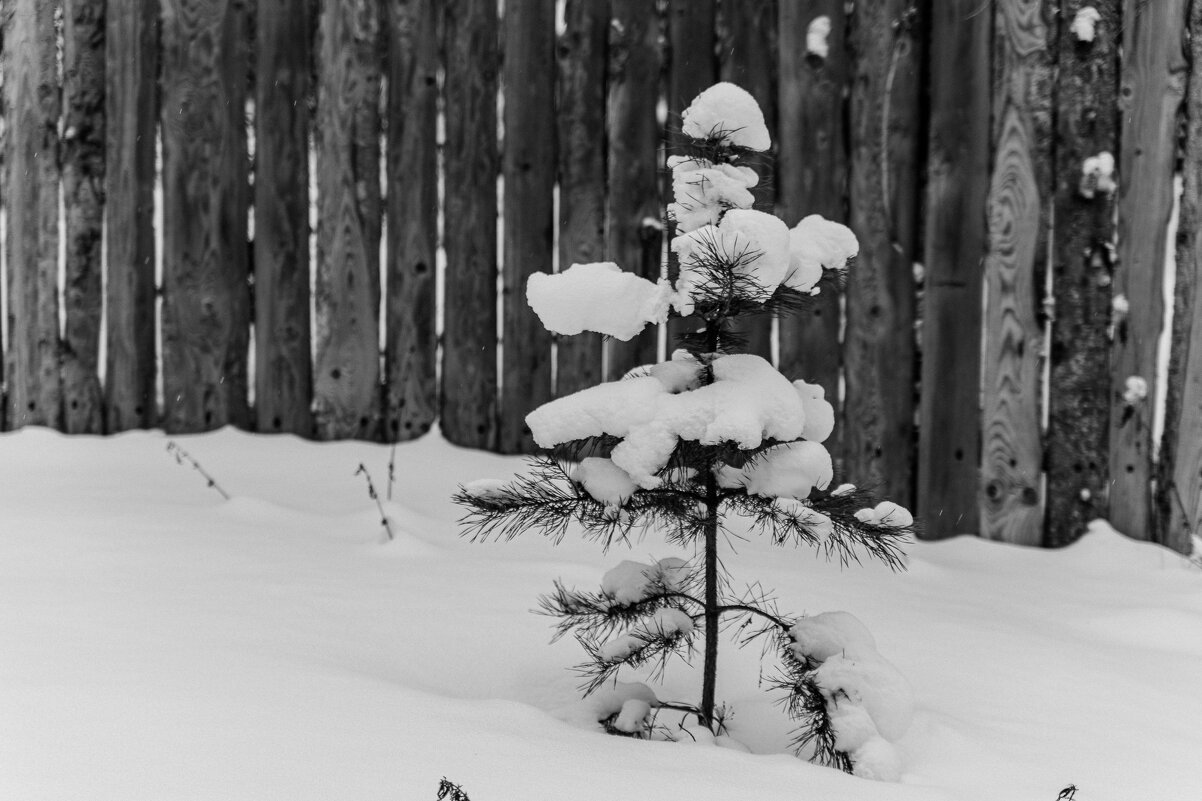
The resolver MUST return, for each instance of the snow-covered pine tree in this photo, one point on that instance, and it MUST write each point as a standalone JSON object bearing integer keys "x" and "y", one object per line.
{"x": 688, "y": 445}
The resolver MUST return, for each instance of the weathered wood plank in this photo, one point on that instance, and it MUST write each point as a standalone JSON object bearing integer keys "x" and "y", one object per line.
{"x": 633, "y": 229}
{"x": 957, "y": 186}
{"x": 1079, "y": 381}
{"x": 581, "y": 103}
{"x": 283, "y": 371}
{"x": 83, "y": 200}
{"x": 469, "y": 375}
{"x": 748, "y": 59}
{"x": 411, "y": 391}
{"x": 1019, "y": 210}
{"x": 346, "y": 391}
{"x": 32, "y": 101}
{"x": 878, "y": 418}
{"x": 529, "y": 172}
{"x": 692, "y": 67}
{"x": 1151, "y": 90}
{"x": 812, "y": 174}
{"x": 131, "y": 108}
{"x": 1179, "y": 479}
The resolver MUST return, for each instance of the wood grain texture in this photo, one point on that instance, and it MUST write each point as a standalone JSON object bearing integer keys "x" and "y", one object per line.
{"x": 283, "y": 369}
{"x": 131, "y": 108}
{"x": 580, "y": 98}
{"x": 811, "y": 176}
{"x": 469, "y": 370}
{"x": 529, "y": 172}
{"x": 692, "y": 66}
{"x": 1079, "y": 380}
{"x": 83, "y": 201}
{"x": 633, "y": 231}
{"x": 748, "y": 59}
{"x": 206, "y": 303}
{"x": 1151, "y": 90}
{"x": 1179, "y": 478}
{"x": 31, "y": 98}
{"x": 346, "y": 374}
{"x": 411, "y": 388}
{"x": 1015, "y": 268}
{"x": 949, "y": 449}
{"x": 878, "y": 416}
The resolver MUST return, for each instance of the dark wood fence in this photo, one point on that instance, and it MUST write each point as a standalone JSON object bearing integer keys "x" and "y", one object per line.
{"x": 1001, "y": 327}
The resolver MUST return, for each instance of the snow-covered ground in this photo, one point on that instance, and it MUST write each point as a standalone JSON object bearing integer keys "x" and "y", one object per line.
{"x": 159, "y": 642}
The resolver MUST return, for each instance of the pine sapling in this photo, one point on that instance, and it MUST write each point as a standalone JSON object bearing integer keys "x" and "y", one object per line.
{"x": 688, "y": 446}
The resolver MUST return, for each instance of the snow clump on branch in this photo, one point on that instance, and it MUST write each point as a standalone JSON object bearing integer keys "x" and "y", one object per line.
{"x": 597, "y": 297}
{"x": 728, "y": 114}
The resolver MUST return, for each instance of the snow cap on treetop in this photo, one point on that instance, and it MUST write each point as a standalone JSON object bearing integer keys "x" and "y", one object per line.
{"x": 729, "y": 114}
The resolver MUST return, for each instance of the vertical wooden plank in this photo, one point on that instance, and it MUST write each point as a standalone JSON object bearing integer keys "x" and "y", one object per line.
{"x": 469, "y": 374}
{"x": 83, "y": 199}
{"x": 1179, "y": 478}
{"x": 346, "y": 396}
{"x": 1079, "y": 381}
{"x": 633, "y": 229}
{"x": 5, "y": 21}
{"x": 748, "y": 56}
{"x": 32, "y": 98}
{"x": 529, "y": 171}
{"x": 206, "y": 306}
{"x": 131, "y": 107}
{"x": 878, "y": 414}
{"x": 692, "y": 67}
{"x": 955, "y": 240}
{"x": 283, "y": 373}
{"x": 581, "y": 104}
{"x": 1152, "y": 87}
{"x": 1015, "y": 269}
{"x": 411, "y": 392}
{"x": 812, "y": 174}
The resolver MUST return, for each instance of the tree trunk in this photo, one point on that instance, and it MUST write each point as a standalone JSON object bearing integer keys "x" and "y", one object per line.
{"x": 411, "y": 394}
{"x": 132, "y": 49}
{"x": 206, "y": 301}
{"x": 83, "y": 199}
{"x": 581, "y": 104}
{"x": 32, "y": 101}
{"x": 1079, "y": 391}
{"x": 529, "y": 170}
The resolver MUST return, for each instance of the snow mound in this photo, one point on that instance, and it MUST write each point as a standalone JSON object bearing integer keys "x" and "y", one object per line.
{"x": 729, "y": 114}
{"x": 815, "y": 244}
{"x": 599, "y": 297}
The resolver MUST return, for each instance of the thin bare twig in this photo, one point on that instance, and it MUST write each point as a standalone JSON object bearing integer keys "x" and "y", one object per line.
{"x": 371, "y": 491}
{"x": 182, "y": 456}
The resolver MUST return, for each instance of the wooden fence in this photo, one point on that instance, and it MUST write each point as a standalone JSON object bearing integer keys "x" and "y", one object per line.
{"x": 1001, "y": 325}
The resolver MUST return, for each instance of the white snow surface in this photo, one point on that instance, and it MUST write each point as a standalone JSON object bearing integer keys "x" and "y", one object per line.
{"x": 748, "y": 401}
{"x": 600, "y": 297}
{"x": 728, "y": 113}
{"x": 817, "y": 243}
{"x": 604, "y": 481}
{"x": 702, "y": 191}
{"x": 791, "y": 470}
{"x": 159, "y": 642}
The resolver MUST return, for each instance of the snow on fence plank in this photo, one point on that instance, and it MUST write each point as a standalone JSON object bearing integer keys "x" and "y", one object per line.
{"x": 131, "y": 109}
{"x": 529, "y": 173}
{"x": 347, "y": 368}
{"x": 283, "y": 373}
{"x": 1019, "y": 212}
{"x": 878, "y": 435}
{"x": 812, "y": 173}
{"x": 410, "y": 368}
{"x": 633, "y": 229}
{"x": 1082, "y": 286}
{"x": 1179, "y": 480}
{"x": 1151, "y": 90}
{"x": 747, "y": 32}
{"x": 83, "y": 200}
{"x": 31, "y": 100}
{"x": 469, "y": 374}
{"x": 206, "y": 302}
{"x": 580, "y": 99}
{"x": 957, "y": 186}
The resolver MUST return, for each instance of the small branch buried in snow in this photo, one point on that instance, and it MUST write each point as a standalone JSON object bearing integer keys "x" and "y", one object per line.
{"x": 391, "y": 469}
{"x": 816, "y": 37}
{"x": 182, "y": 456}
{"x": 371, "y": 491}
